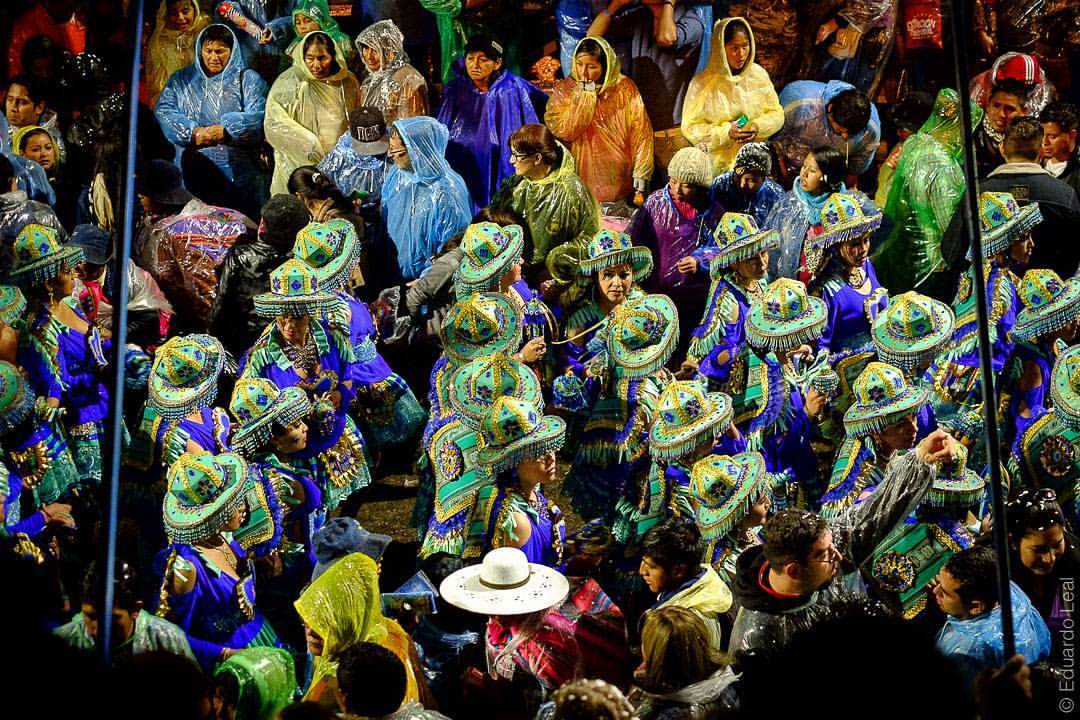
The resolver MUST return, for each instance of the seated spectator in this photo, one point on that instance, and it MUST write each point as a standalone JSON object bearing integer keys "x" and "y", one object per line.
{"x": 42, "y": 57}
{"x": 358, "y": 162}
{"x": 1060, "y": 122}
{"x": 967, "y": 593}
{"x": 172, "y": 44}
{"x": 747, "y": 187}
{"x": 1007, "y": 100}
{"x": 392, "y": 85}
{"x": 371, "y": 683}
{"x": 26, "y": 105}
{"x": 64, "y": 21}
{"x": 907, "y": 115}
{"x": 587, "y": 700}
{"x": 1019, "y": 67}
{"x": 315, "y": 15}
{"x": 1028, "y": 182}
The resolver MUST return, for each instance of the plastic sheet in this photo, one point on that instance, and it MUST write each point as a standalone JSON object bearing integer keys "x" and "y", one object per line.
{"x": 716, "y": 98}
{"x": 607, "y": 128}
{"x": 170, "y": 50}
{"x": 423, "y": 207}
{"x": 1041, "y": 94}
{"x": 1018, "y": 24}
{"x": 926, "y": 190}
{"x": 184, "y": 251}
{"x": 858, "y": 50}
{"x": 306, "y": 116}
{"x": 573, "y": 18}
{"x": 16, "y": 212}
{"x": 394, "y": 87}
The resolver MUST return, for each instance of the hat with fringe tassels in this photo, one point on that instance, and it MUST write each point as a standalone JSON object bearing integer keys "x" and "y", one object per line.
{"x": 843, "y": 219}
{"x": 1049, "y": 304}
{"x": 882, "y": 397}
{"x": 687, "y": 415}
{"x": 785, "y": 317}
{"x": 642, "y": 334}
{"x": 515, "y": 430}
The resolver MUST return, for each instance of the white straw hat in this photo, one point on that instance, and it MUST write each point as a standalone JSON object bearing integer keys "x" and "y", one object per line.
{"x": 505, "y": 583}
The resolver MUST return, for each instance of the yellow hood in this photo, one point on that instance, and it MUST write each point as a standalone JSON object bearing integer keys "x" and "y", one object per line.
{"x": 611, "y": 61}
{"x": 718, "y": 58}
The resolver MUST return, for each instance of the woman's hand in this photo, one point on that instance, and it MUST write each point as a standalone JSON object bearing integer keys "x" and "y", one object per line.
{"x": 937, "y": 447}
{"x": 825, "y": 31}
{"x": 533, "y": 350}
{"x": 58, "y": 514}
{"x": 687, "y": 265}
{"x": 687, "y": 370}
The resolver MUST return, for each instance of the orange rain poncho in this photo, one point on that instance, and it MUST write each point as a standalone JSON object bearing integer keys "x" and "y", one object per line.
{"x": 716, "y": 98}
{"x": 169, "y": 50}
{"x": 608, "y": 131}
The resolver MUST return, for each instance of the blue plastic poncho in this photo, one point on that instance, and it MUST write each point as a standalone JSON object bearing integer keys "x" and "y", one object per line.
{"x": 480, "y": 126}
{"x": 354, "y": 172}
{"x": 235, "y": 98}
{"x": 30, "y": 176}
{"x": 806, "y": 126}
{"x": 423, "y": 207}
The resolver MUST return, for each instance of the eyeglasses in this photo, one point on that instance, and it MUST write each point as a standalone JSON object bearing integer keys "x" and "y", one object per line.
{"x": 515, "y": 155}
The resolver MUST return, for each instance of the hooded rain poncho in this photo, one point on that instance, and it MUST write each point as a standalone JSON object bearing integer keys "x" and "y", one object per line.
{"x": 235, "y": 98}
{"x": 481, "y": 124}
{"x": 305, "y": 115}
{"x": 927, "y": 188}
{"x": 170, "y": 50}
{"x": 607, "y": 129}
{"x": 716, "y": 98}
{"x": 395, "y": 87}
{"x": 806, "y": 126}
{"x": 423, "y": 207}
{"x": 319, "y": 11}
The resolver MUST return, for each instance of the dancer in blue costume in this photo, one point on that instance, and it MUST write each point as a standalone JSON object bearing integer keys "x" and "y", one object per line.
{"x": 63, "y": 353}
{"x": 208, "y": 582}
{"x": 517, "y": 451}
{"x": 385, "y": 407}
{"x": 299, "y": 348}
{"x": 847, "y": 282}
{"x": 738, "y": 268}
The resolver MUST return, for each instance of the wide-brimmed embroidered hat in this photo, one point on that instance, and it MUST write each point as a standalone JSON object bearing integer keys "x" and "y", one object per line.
{"x": 1049, "y": 304}
{"x": 505, "y": 583}
{"x": 258, "y": 405}
{"x": 12, "y": 304}
{"x": 487, "y": 252}
{"x": 1065, "y": 387}
{"x": 785, "y": 317}
{"x": 843, "y": 219}
{"x": 16, "y": 399}
{"x": 912, "y": 329}
{"x": 515, "y": 430}
{"x": 266, "y": 677}
{"x": 38, "y": 255}
{"x": 481, "y": 324}
{"x": 882, "y": 397}
{"x": 331, "y": 249}
{"x": 724, "y": 488}
{"x": 642, "y": 334}
{"x": 955, "y": 485}
{"x": 184, "y": 375}
{"x": 204, "y": 491}
{"x": 686, "y": 415}
{"x": 1001, "y": 221}
{"x": 738, "y": 237}
{"x": 295, "y": 291}
{"x": 609, "y": 248}
{"x": 476, "y": 385}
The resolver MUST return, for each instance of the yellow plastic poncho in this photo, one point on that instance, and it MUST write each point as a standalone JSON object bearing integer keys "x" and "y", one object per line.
{"x": 169, "y": 50}
{"x": 608, "y": 130}
{"x": 716, "y": 98}
{"x": 344, "y": 606}
{"x": 305, "y": 116}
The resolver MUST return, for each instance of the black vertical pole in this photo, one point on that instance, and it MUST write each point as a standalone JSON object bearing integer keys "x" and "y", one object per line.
{"x": 114, "y": 431}
{"x": 970, "y": 211}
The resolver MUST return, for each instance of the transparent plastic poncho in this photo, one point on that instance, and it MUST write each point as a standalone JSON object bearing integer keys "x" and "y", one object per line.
{"x": 305, "y": 115}
{"x": 926, "y": 190}
{"x": 354, "y": 172}
{"x": 394, "y": 87}
{"x": 169, "y": 50}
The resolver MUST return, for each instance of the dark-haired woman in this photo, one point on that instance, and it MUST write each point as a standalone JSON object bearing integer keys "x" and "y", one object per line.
{"x": 309, "y": 105}
{"x": 599, "y": 112}
{"x": 325, "y": 202}
{"x": 557, "y": 207}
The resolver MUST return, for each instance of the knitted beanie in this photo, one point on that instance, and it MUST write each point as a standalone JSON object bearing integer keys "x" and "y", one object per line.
{"x": 692, "y": 166}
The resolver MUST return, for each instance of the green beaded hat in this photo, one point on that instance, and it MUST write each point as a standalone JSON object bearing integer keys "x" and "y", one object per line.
{"x": 16, "y": 399}
{"x": 476, "y": 386}
{"x": 1048, "y": 304}
{"x": 295, "y": 291}
{"x": 516, "y": 430}
{"x": 642, "y": 334}
{"x": 12, "y": 304}
{"x": 1065, "y": 387}
{"x": 785, "y": 317}
{"x": 481, "y": 324}
{"x": 258, "y": 405}
{"x": 912, "y": 329}
{"x": 38, "y": 255}
{"x": 1002, "y": 221}
{"x": 738, "y": 238}
{"x": 724, "y": 488}
{"x": 687, "y": 415}
{"x": 955, "y": 485}
{"x": 267, "y": 680}
{"x": 609, "y": 248}
{"x": 331, "y": 249}
{"x": 843, "y": 219}
{"x": 204, "y": 491}
{"x": 882, "y": 397}
{"x": 487, "y": 252}
{"x": 184, "y": 375}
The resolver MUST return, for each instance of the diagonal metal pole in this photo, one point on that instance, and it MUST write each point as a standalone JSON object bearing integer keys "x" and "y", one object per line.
{"x": 970, "y": 210}
{"x": 114, "y": 429}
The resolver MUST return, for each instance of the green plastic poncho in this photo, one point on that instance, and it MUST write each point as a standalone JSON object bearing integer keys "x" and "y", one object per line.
{"x": 319, "y": 11}
{"x": 305, "y": 116}
{"x": 267, "y": 681}
{"x": 927, "y": 188}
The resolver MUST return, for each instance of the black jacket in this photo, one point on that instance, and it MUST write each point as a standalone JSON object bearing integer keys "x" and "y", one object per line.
{"x": 244, "y": 274}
